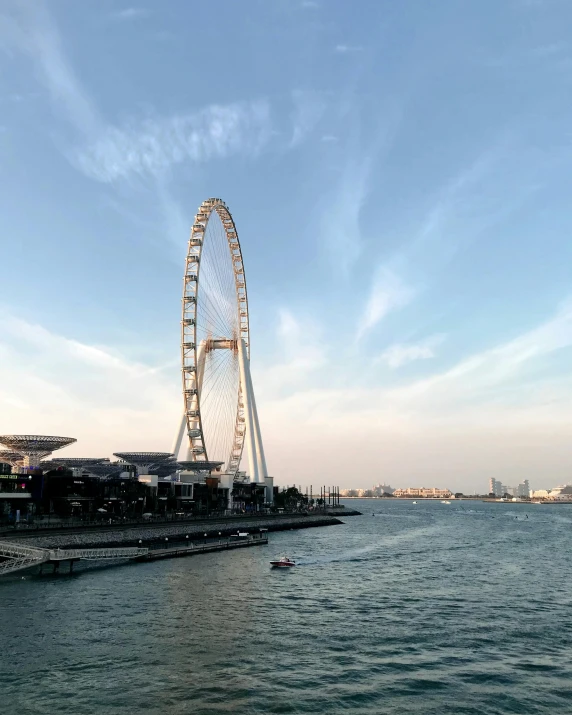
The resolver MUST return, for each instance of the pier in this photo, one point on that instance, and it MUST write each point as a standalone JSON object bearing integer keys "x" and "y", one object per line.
{"x": 223, "y": 544}
{"x": 16, "y": 557}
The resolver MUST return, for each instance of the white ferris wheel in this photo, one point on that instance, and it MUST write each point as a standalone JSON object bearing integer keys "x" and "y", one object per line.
{"x": 219, "y": 415}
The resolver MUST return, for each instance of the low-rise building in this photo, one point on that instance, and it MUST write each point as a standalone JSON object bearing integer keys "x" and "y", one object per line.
{"x": 561, "y": 493}
{"x": 423, "y": 493}
{"x": 539, "y": 494}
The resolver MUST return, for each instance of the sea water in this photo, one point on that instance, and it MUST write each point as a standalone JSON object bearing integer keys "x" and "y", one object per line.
{"x": 411, "y": 608}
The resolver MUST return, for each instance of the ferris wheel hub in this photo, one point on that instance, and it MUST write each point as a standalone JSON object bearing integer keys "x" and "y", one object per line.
{"x": 221, "y": 344}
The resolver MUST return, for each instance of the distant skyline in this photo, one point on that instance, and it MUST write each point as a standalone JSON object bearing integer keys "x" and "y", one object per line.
{"x": 400, "y": 177}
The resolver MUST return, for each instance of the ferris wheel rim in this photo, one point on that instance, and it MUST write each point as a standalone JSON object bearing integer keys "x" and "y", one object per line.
{"x": 190, "y": 348}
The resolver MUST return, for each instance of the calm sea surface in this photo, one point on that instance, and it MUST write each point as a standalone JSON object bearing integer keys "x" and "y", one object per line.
{"x": 422, "y": 608}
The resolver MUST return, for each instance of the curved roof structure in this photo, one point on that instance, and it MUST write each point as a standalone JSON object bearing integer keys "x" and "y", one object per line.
{"x": 144, "y": 459}
{"x": 165, "y": 469}
{"x": 34, "y": 446}
{"x": 7, "y": 456}
{"x": 79, "y": 461}
{"x": 104, "y": 469}
{"x": 199, "y": 466}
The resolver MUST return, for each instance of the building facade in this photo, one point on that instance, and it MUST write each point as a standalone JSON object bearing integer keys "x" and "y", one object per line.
{"x": 496, "y": 487}
{"x": 423, "y": 493}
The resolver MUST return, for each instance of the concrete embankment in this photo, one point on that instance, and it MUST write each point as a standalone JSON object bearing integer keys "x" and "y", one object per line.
{"x": 153, "y": 533}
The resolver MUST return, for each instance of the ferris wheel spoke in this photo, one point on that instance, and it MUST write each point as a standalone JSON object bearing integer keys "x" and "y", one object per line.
{"x": 220, "y": 409}
{"x": 223, "y": 307}
{"x": 210, "y": 309}
{"x": 219, "y": 268}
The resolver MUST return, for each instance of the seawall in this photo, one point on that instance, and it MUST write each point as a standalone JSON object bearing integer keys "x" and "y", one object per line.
{"x": 153, "y": 533}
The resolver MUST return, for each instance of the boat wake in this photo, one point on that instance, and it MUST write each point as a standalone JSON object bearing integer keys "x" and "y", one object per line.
{"x": 350, "y": 555}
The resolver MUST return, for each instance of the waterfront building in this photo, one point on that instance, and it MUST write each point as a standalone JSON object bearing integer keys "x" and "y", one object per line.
{"x": 523, "y": 489}
{"x": 561, "y": 493}
{"x": 423, "y": 493}
{"x": 116, "y": 489}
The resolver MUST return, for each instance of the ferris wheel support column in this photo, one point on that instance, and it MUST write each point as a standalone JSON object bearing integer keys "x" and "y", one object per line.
{"x": 179, "y": 435}
{"x": 259, "y": 449}
{"x": 248, "y": 411}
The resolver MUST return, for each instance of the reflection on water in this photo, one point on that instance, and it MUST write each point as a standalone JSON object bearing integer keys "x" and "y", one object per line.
{"x": 426, "y": 608}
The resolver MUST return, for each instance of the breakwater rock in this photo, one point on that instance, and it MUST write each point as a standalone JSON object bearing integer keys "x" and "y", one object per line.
{"x": 153, "y": 533}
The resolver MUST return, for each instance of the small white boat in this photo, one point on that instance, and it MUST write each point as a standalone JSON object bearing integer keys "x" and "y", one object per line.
{"x": 283, "y": 562}
{"x": 414, "y": 502}
{"x": 445, "y": 502}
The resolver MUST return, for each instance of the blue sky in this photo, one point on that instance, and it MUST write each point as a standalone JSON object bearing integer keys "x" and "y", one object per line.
{"x": 400, "y": 178}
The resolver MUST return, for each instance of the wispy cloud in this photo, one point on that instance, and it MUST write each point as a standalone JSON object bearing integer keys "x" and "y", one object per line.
{"x": 400, "y": 354}
{"x": 131, "y": 13}
{"x": 341, "y": 218}
{"x": 146, "y": 147}
{"x": 474, "y": 200}
{"x": 454, "y": 195}
{"x": 27, "y": 27}
{"x": 154, "y": 145}
{"x": 477, "y": 375}
{"x": 345, "y": 49}
{"x": 388, "y": 292}
{"x": 352, "y": 183}
{"x": 309, "y": 108}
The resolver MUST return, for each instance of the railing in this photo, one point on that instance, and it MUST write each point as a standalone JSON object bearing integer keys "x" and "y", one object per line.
{"x": 19, "y": 557}
{"x": 126, "y": 552}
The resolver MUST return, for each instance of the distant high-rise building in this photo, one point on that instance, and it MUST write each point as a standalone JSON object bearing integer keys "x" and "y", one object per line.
{"x": 523, "y": 489}
{"x": 496, "y": 487}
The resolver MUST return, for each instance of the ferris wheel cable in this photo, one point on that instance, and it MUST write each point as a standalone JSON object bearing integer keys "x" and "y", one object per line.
{"x": 211, "y": 309}
{"x": 222, "y": 417}
{"x": 210, "y": 390}
{"x": 219, "y": 245}
{"x": 214, "y": 288}
{"x": 225, "y": 385}
{"x": 221, "y": 387}
{"x": 222, "y": 248}
{"x": 221, "y": 305}
{"x": 224, "y": 435}
{"x": 223, "y": 267}
{"x": 215, "y": 380}
{"x": 209, "y": 306}
{"x": 213, "y": 360}
{"x": 207, "y": 320}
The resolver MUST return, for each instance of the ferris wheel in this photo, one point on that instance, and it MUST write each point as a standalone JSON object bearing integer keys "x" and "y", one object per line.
{"x": 219, "y": 413}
